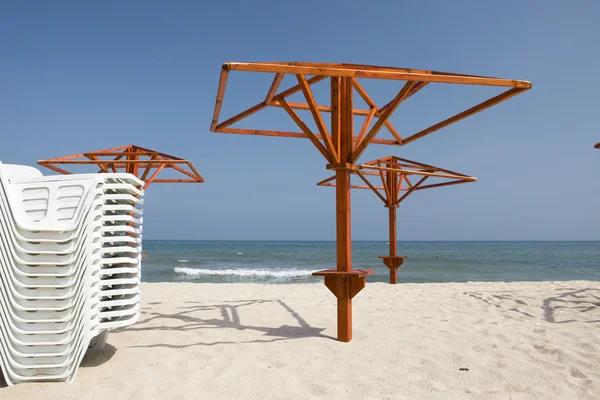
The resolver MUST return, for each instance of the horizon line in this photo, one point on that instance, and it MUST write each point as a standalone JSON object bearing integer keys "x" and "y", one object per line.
{"x": 370, "y": 240}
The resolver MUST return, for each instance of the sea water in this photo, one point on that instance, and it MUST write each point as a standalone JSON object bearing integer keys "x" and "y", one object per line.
{"x": 293, "y": 262}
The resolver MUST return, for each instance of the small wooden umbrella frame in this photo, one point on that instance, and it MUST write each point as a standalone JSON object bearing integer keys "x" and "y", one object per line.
{"x": 338, "y": 144}
{"x": 396, "y": 185}
{"x": 133, "y": 159}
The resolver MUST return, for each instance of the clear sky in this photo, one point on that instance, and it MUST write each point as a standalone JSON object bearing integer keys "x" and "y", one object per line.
{"x": 81, "y": 76}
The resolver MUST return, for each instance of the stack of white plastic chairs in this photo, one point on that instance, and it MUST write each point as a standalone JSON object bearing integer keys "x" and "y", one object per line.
{"x": 70, "y": 267}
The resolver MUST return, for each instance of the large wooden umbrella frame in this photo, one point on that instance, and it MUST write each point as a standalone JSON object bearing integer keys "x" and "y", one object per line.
{"x": 133, "y": 159}
{"x": 395, "y": 187}
{"x": 339, "y": 146}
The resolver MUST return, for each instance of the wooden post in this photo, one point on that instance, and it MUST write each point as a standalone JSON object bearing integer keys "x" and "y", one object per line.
{"x": 343, "y": 282}
{"x": 343, "y": 214}
{"x": 393, "y": 262}
{"x": 132, "y": 168}
{"x": 392, "y": 216}
{"x": 343, "y": 217}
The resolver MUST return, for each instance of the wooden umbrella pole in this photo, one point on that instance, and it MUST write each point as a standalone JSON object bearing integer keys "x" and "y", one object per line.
{"x": 343, "y": 282}
{"x": 343, "y": 213}
{"x": 393, "y": 261}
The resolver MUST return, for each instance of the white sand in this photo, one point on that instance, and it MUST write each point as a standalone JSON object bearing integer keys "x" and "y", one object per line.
{"x": 250, "y": 341}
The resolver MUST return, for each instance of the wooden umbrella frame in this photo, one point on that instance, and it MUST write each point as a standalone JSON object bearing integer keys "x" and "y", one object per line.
{"x": 338, "y": 145}
{"x": 396, "y": 185}
{"x": 143, "y": 163}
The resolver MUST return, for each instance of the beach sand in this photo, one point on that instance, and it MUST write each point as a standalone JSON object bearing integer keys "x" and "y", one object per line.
{"x": 538, "y": 340}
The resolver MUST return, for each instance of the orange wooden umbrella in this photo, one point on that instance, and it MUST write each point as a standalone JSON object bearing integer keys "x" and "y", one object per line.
{"x": 135, "y": 160}
{"x": 396, "y": 185}
{"x": 339, "y": 144}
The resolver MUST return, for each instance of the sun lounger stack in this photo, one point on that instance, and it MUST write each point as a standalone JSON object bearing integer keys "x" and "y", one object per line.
{"x": 70, "y": 252}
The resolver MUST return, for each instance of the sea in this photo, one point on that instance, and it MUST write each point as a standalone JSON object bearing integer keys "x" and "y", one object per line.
{"x": 284, "y": 262}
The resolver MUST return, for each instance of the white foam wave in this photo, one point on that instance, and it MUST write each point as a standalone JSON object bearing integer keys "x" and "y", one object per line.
{"x": 183, "y": 261}
{"x": 289, "y": 273}
{"x": 239, "y": 254}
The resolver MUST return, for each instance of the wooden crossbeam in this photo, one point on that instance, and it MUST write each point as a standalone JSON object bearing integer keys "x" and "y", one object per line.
{"x": 324, "y": 70}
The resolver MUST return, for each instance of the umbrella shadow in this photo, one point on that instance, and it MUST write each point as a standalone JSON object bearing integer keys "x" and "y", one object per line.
{"x": 230, "y": 318}
{"x": 585, "y": 301}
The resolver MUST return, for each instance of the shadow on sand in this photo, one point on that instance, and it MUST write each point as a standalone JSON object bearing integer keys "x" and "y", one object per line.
{"x": 97, "y": 358}
{"x": 91, "y": 359}
{"x": 579, "y": 302}
{"x": 230, "y": 312}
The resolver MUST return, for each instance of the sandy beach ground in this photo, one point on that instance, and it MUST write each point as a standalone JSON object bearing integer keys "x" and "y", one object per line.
{"x": 411, "y": 341}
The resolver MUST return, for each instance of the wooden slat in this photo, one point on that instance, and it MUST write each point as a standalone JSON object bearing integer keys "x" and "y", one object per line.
{"x": 153, "y": 177}
{"x": 334, "y": 91}
{"x": 54, "y": 168}
{"x": 365, "y": 96}
{"x": 373, "y": 188}
{"x": 467, "y": 113}
{"x": 199, "y": 177}
{"x": 102, "y": 166}
{"x": 417, "y": 86}
{"x": 384, "y": 117}
{"x": 115, "y": 153}
{"x": 114, "y": 149}
{"x": 147, "y": 170}
{"x": 324, "y": 181}
{"x": 412, "y": 189}
{"x": 88, "y": 162}
{"x": 388, "y": 194}
{"x": 183, "y": 171}
{"x": 274, "y": 86}
{"x": 172, "y": 180}
{"x": 378, "y": 74}
{"x": 309, "y": 134}
{"x": 414, "y": 163}
{"x": 423, "y": 173}
{"x": 375, "y": 68}
{"x": 312, "y": 104}
{"x": 287, "y": 134}
{"x": 436, "y": 185}
{"x": 364, "y": 127}
{"x": 220, "y": 95}
{"x": 399, "y": 187}
{"x": 163, "y": 155}
{"x": 263, "y": 104}
{"x": 322, "y": 108}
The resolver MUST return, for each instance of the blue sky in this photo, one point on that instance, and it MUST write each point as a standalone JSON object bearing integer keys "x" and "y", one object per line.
{"x": 81, "y": 76}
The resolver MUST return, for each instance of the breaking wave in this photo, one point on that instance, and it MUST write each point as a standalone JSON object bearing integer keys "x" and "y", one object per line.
{"x": 268, "y": 273}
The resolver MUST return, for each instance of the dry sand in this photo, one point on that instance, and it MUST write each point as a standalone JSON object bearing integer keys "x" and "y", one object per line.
{"x": 249, "y": 341}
